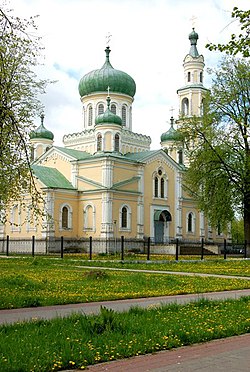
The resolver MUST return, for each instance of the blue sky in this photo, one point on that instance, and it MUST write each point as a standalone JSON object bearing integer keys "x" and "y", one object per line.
{"x": 149, "y": 41}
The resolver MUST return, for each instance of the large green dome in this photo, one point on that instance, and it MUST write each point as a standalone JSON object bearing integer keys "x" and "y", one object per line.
{"x": 172, "y": 134}
{"x": 107, "y": 76}
{"x": 42, "y": 132}
{"x": 108, "y": 116}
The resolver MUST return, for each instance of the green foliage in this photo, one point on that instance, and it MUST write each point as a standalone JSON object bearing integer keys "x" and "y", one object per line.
{"x": 238, "y": 43}
{"x": 218, "y": 145}
{"x": 238, "y": 231}
{"x": 20, "y": 51}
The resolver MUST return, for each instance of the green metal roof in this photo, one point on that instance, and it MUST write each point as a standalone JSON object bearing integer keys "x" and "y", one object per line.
{"x": 77, "y": 154}
{"x": 193, "y": 37}
{"x": 108, "y": 116}
{"x": 172, "y": 134}
{"x": 51, "y": 177}
{"x": 107, "y": 76}
{"x": 41, "y": 132}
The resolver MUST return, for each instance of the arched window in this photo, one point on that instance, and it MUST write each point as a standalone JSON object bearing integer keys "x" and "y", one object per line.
{"x": 90, "y": 117}
{"x": 124, "y": 221}
{"x": 124, "y": 115}
{"x": 65, "y": 218}
{"x": 99, "y": 142}
{"x": 156, "y": 183}
{"x": 190, "y": 222}
{"x": 185, "y": 106}
{"x": 162, "y": 188}
{"x": 117, "y": 142}
{"x": 113, "y": 108}
{"x": 201, "y": 77}
{"x": 189, "y": 76}
{"x": 202, "y": 107}
{"x": 100, "y": 109}
{"x": 180, "y": 157}
{"x": 89, "y": 218}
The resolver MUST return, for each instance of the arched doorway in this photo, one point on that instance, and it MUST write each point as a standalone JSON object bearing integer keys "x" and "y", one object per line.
{"x": 161, "y": 218}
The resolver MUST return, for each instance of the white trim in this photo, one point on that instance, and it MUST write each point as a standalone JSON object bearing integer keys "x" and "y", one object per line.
{"x": 86, "y": 217}
{"x": 129, "y": 215}
{"x": 70, "y": 213}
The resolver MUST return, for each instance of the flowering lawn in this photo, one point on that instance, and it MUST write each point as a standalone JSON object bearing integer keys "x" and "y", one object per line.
{"x": 79, "y": 341}
{"x": 213, "y": 265}
{"x": 26, "y": 282}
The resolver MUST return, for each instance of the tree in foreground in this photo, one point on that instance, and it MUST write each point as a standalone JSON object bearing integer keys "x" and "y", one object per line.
{"x": 20, "y": 87}
{"x": 238, "y": 43}
{"x": 219, "y": 170}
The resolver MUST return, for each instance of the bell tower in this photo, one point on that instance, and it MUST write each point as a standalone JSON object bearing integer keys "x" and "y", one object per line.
{"x": 192, "y": 94}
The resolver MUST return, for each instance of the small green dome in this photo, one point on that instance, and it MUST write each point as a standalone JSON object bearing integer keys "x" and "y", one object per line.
{"x": 172, "y": 134}
{"x": 108, "y": 117}
{"x": 99, "y": 80}
{"x": 42, "y": 132}
{"x": 193, "y": 37}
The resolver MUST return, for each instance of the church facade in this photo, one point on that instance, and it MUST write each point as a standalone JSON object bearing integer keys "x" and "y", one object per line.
{"x": 105, "y": 182}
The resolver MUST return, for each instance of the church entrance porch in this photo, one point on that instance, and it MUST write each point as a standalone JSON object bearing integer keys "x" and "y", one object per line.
{"x": 161, "y": 226}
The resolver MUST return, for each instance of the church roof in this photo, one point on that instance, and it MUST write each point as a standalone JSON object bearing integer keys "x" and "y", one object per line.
{"x": 77, "y": 154}
{"x": 193, "y": 37}
{"x": 99, "y": 80}
{"x": 172, "y": 134}
{"x": 108, "y": 117}
{"x": 41, "y": 132}
{"x": 52, "y": 178}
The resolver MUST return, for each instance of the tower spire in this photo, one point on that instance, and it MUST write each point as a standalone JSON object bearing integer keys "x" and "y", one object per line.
{"x": 193, "y": 37}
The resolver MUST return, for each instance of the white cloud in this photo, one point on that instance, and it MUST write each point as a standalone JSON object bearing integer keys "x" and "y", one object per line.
{"x": 149, "y": 42}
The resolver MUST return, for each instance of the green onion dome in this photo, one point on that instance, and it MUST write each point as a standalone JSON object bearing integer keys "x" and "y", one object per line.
{"x": 108, "y": 116}
{"x": 99, "y": 80}
{"x": 172, "y": 134}
{"x": 42, "y": 132}
{"x": 193, "y": 37}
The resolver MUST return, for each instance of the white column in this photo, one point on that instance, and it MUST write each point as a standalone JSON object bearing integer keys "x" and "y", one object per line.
{"x": 140, "y": 204}
{"x": 74, "y": 173}
{"x": 202, "y": 225}
{"x": 48, "y": 227}
{"x": 107, "y": 173}
{"x": 178, "y": 206}
{"x": 107, "y": 221}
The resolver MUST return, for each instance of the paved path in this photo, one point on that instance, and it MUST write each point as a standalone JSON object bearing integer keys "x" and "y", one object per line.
{"x": 165, "y": 272}
{"x": 226, "y": 355}
{"x": 49, "y": 312}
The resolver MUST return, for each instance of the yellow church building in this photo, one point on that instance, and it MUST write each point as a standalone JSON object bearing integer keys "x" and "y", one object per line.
{"x": 105, "y": 182}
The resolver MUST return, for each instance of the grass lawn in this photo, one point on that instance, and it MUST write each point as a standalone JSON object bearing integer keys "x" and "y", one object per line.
{"x": 41, "y": 281}
{"x": 79, "y": 340}
{"x": 211, "y": 265}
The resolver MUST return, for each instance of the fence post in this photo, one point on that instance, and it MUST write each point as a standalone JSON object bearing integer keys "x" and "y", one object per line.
{"x": 148, "y": 250}
{"x": 33, "y": 245}
{"x": 90, "y": 248}
{"x": 122, "y": 247}
{"x": 225, "y": 249}
{"x": 61, "y": 246}
{"x": 177, "y": 249}
{"x": 245, "y": 249}
{"x": 202, "y": 248}
{"x": 7, "y": 244}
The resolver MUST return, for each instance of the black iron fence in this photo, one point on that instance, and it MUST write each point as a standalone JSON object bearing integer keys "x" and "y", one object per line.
{"x": 121, "y": 248}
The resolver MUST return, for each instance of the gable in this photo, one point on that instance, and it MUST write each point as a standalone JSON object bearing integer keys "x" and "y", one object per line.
{"x": 51, "y": 178}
